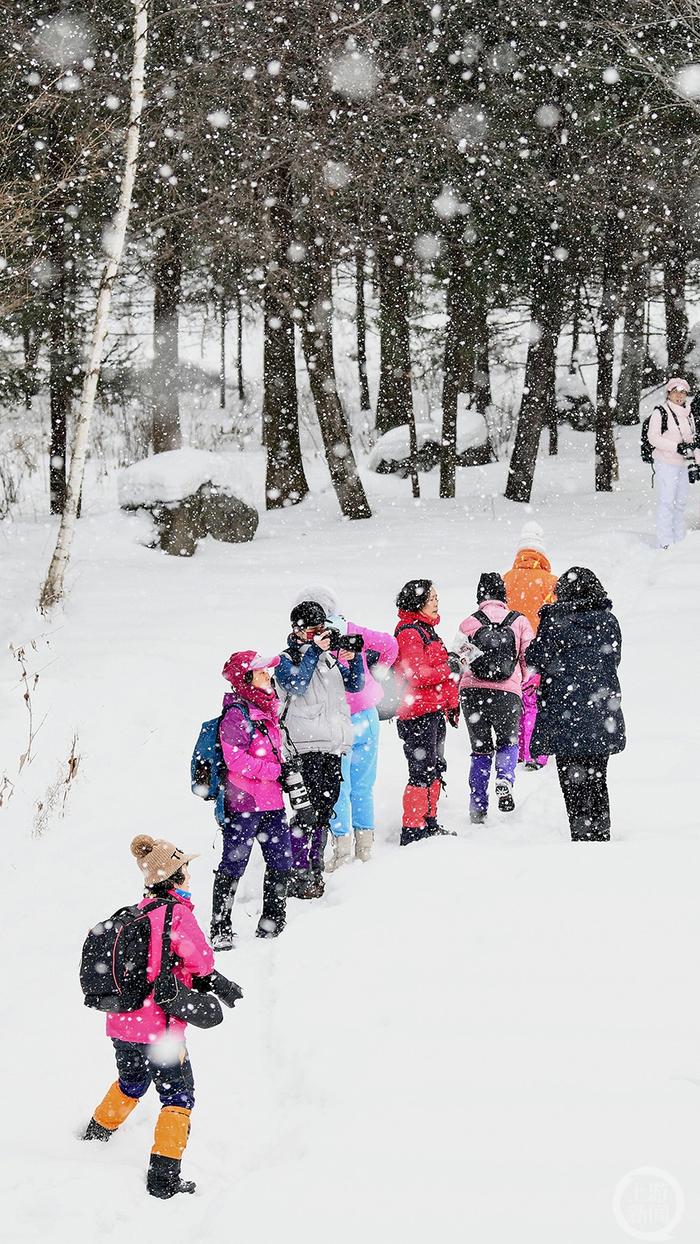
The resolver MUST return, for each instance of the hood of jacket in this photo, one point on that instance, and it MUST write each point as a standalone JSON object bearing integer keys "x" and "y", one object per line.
{"x": 530, "y": 559}
{"x": 587, "y": 605}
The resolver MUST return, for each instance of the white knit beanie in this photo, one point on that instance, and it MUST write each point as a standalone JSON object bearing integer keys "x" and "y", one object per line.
{"x": 532, "y": 537}
{"x": 323, "y": 596}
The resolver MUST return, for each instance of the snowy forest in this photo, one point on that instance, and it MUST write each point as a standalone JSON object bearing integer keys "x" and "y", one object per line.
{"x": 323, "y": 325}
{"x": 452, "y": 179}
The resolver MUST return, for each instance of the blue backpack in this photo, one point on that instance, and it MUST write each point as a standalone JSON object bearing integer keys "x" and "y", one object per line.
{"x": 208, "y": 767}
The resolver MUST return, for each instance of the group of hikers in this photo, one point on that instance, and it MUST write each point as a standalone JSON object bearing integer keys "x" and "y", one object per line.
{"x": 533, "y": 671}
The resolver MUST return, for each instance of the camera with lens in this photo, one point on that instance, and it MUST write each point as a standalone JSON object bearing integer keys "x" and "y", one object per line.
{"x": 292, "y": 781}
{"x": 344, "y": 643}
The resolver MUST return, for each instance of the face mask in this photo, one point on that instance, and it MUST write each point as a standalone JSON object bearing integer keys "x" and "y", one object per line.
{"x": 184, "y": 893}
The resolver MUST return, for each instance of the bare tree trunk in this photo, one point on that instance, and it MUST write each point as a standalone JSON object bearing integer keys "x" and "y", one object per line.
{"x": 52, "y": 589}
{"x": 285, "y": 480}
{"x": 395, "y": 398}
{"x": 539, "y": 393}
{"x": 674, "y": 302}
{"x": 629, "y": 385}
{"x": 605, "y": 452}
{"x": 575, "y": 325}
{"x": 317, "y": 339}
{"x": 222, "y": 352}
{"x": 60, "y": 366}
{"x": 239, "y": 333}
{"x": 482, "y": 368}
{"x": 361, "y": 328}
{"x": 458, "y": 363}
{"x": 165, "y": 379}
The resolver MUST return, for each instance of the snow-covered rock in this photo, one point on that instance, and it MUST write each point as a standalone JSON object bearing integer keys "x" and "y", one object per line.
{"x": 179, "y": 473}
{"x": 392, "y": 450}
{"x": 191, "y": 493}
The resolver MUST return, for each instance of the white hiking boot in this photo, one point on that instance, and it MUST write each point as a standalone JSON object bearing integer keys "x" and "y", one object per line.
{"x": 504, "y": 795}
{"x": 364, "y": 840}
{"x": 342, "y": 852}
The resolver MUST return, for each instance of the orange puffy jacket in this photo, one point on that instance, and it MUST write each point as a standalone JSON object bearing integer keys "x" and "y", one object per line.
{"x": 530, "y": 585}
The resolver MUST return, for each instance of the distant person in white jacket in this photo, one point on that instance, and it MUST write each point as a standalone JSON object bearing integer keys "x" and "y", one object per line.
{"x": 673, "y": 436}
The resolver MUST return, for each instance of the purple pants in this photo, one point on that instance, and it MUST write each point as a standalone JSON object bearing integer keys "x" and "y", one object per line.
{"x": 241, "y": 829}
{"x": 527, "y": 726}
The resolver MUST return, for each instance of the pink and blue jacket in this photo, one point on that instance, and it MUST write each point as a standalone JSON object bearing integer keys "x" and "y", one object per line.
{"x": 150, "y": 1023}
{"x": 253, "y": 768}
{"x": 388, "y": 649}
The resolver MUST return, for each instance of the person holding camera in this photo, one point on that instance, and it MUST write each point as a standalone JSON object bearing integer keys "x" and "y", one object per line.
{"x": 251, "y": 743}
{"x": 316, "y": 669}
{"x": 149, "y": 1045}
{"x": 673, "y": 436}
{"x": 354, "y": 810}
{"x": 429, "y": 695}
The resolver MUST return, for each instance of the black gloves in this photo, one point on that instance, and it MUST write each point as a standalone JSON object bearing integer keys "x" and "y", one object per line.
{"x": 453, "y": 716}
{"x": 686, "y": 449}
{"x": 226, "y": 991}
{"x": 454, "y": 663}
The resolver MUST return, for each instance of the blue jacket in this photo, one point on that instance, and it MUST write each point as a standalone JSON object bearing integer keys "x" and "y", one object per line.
{"x": 576, "y": 651}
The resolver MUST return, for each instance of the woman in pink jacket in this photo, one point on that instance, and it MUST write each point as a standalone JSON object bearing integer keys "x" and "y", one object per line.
{"x": 149, "y": 1045}
{"x": 354, "y": 810}
{"x": 251, "y": 743}
{"x": 490, "y": 691}
{"x": 673, "y": 435}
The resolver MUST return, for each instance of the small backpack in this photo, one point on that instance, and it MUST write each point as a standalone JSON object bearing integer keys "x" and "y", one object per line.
{"x": 394, "y": 683}
{"x": 208, "y": 767}
{"x": 498, "y": 648}
{"x": 114, "y": 961}
{"x": 646, "y": 448}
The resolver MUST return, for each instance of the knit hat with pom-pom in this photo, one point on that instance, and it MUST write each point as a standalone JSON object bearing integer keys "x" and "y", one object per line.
{"x": 157, "y": 858}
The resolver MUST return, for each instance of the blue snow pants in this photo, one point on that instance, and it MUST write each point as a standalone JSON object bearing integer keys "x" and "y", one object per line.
{"x": 355, "y": 806}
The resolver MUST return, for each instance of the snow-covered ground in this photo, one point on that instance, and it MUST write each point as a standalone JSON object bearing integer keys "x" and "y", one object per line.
{"x": 478, "y": 1038}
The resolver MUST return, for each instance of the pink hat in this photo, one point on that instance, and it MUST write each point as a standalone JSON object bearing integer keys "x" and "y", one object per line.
{"x": 677, "y": 382}
{"x": 239, "y": 663}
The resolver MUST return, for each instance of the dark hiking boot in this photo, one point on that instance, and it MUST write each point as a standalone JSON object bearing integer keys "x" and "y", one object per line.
{"x": 95, "y": 1131}
{"x": 409, "y": 834}
{"x": 163, "y": 1179}
{"x": 274, "y": 911}
{"x": 504, "y": 794}
{"x": 303, "y": 884}
{"x": 432, "y": 825}
{"x": 476, "y": 816}
{"x": 221, "y": 935}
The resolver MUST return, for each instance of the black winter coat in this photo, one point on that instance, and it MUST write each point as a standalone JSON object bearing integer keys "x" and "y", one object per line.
{"x": 576, "y": 651}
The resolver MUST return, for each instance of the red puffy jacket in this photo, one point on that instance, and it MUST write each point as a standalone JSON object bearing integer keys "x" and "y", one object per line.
{"x": 422, "y": 664}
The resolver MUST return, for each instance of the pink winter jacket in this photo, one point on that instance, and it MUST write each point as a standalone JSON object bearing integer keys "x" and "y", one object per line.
{"x": 665, "y": 445}
{"x": 187, "y": 940}
{"x": 524, "y": 635}
{"x": 388, "y": 649}
{"x": 253, "y": 768}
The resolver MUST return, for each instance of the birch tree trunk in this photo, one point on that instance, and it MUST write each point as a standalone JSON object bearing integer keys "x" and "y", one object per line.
{"x": 52, "y": 590}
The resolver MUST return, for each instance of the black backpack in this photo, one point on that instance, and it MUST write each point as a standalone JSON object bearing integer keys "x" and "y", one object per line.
{"x": 394, "y": 683}
{"x": 114, "y": 962}
{"x": 646, "y": 449}
{"x": 498, "y": 648}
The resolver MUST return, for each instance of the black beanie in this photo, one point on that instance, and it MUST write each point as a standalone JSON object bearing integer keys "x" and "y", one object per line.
{"x": 413, "y": 595}
{"x": 307, "y": 613}
{"x": 579, "y": 583}
{"x": 491, "y": 587}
